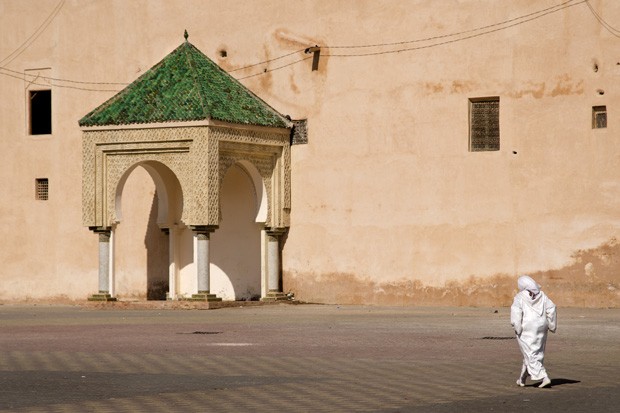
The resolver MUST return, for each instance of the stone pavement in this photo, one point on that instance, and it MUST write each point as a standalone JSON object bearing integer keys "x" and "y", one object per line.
{"x": 297, "y": 358}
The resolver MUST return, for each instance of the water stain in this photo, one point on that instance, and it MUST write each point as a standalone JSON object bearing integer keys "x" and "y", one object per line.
{"x": 434, "y": 87}
{"x": 536, "y": 90}
{"x": 462, "y": 86}
{"x": 574, "y": 285}
{"x": 565, "y": 86}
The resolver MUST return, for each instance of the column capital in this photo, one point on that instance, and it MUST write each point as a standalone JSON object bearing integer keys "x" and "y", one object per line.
{"x": 101, "y": 230}
{"x": 204, "y": 229}
{"x": 275, "y": 232}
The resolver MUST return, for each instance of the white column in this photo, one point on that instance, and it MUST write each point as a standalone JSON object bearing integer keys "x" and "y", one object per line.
{"x": 202, "y": 262}
{"x": 111, "y": 267}
{"x": 273, "y": 266}
{"x": 273, "y": 262}
{"x": 104, "y": 262}
{"x": 172, "y": 263}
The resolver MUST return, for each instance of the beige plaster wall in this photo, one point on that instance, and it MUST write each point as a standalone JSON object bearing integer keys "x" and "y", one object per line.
{"x": 388, "y": 205}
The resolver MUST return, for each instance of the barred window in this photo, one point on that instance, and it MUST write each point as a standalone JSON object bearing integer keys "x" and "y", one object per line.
{"x": 42, "y": 189}
{"x": 599, "y": 117}
{"x": 484, "y": 124}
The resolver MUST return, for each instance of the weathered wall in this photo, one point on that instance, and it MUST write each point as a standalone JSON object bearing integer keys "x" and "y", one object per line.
{"x": 388, "y": 205}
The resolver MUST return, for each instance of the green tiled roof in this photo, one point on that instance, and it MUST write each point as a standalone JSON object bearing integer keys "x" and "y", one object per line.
{"x": 185, "y": 86}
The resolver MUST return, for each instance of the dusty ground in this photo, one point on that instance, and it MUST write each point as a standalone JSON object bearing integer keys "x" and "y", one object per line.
{"x": 297, "y": 358}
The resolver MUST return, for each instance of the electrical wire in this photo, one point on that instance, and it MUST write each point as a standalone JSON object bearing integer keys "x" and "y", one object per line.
{"x": 61, "y": 80}
{"x": 477, "y": 32}
{"x": 522, "y": 19}
{"x": 275, "y": 68}
{"x": 56, "y": 85}
{"x": 267, "y": 61}
{"x": 603, "y": 23}
{"x": 454, "y": 34}
{"x": 24, "y": 46}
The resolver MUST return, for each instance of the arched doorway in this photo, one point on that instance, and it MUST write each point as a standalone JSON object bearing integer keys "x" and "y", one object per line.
{"x": 148, "y": 202}
{"x": 236, "y": 245}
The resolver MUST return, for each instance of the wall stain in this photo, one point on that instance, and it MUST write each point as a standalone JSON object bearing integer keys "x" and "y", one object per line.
{"x": 288, "y": 38}
{"x": 459, "y": 86}
{"x": 565, "y": 86}
{"x": 434, "y": 87}
{"x": 266, "y": 79}
{"x": 536, "y": 90}
{"x": 590, "y": 281}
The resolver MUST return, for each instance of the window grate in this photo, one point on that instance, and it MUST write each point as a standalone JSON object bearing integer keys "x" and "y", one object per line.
{"x": 484, "y": 125}
{"x": 299, "y": 134}
{"x": 599, "y": 117}
{"x": 42, "y": 189}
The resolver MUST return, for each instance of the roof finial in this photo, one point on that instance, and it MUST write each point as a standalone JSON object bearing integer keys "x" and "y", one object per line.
{"x": 185, "y": 35}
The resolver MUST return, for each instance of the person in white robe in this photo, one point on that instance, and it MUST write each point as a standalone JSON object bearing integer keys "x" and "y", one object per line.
{"x": 532, "y": 314}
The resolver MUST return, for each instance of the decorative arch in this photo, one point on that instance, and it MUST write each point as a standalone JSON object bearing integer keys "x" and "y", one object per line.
{"x": 260, "y": 181}
{"x": 169, "y": 192}
{"x": 260, "y": 191}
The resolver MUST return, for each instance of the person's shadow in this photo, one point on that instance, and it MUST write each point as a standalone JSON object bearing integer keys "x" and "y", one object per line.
{"x": 557, "y": 382}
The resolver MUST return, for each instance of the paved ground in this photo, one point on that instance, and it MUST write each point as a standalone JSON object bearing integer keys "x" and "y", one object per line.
{"x": 298, "y": 358}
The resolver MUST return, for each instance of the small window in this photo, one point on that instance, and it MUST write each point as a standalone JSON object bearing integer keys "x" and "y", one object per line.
{"x": 599, "y": 117}
{"x": 484, "y": 124}
{"x": 40, "y": 112}
{"x": 42, "y": 189}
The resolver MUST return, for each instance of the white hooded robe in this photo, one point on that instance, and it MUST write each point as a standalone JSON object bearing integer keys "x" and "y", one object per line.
{"x": 531, "y": 318}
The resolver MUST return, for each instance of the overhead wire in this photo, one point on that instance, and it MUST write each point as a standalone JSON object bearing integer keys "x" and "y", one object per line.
{"x": 457, "y": 33}
{"x": 24, "y": 46}
{"x": 62, "y": 80}
{"x": 476, "y": 32}
{"x": 33, "y": 82}
{"x": 275, "y": 68}
{"x": 603, "y": 23}
{"x": 267, "y": 61}
{"x": 513, "y": 22}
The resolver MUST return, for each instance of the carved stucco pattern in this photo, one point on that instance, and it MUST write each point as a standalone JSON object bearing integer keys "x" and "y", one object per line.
{"x": 250, "y": 136}
{"x": 88, "y": 181}
{"x": 204, "y": 196}
{"x": 214, "y": 182}
{"x": 262, "y": 148}
{"x": 199, "y": 157}
{"x": 286, "y": 165}
{"x": 98, "y": 196}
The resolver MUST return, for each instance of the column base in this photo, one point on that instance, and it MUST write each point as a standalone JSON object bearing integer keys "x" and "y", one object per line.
{"x": 275, "y": 296}
{"x": 204, "y": 296}
{"x": 101, "y": 297}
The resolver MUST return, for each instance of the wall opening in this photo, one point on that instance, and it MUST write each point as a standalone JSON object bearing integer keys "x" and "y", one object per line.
{"x": 236, "y": 244}
{"x": 42, "y": 189}
{"x": 40, "y": 112}
{"x": 599, "y": 117}
{"x": 141, "y": 247}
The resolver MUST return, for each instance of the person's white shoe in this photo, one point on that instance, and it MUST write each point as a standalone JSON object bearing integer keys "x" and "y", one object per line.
{"x": 520, "y": 383}
{"x": 546, "y": 382}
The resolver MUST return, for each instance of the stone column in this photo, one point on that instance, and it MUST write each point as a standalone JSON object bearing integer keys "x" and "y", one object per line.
{"x": 104, "y": 268}
{"x": 202, "y": 265}
{"x": 172, "y": 263}
{"x": 273, "y": 266}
